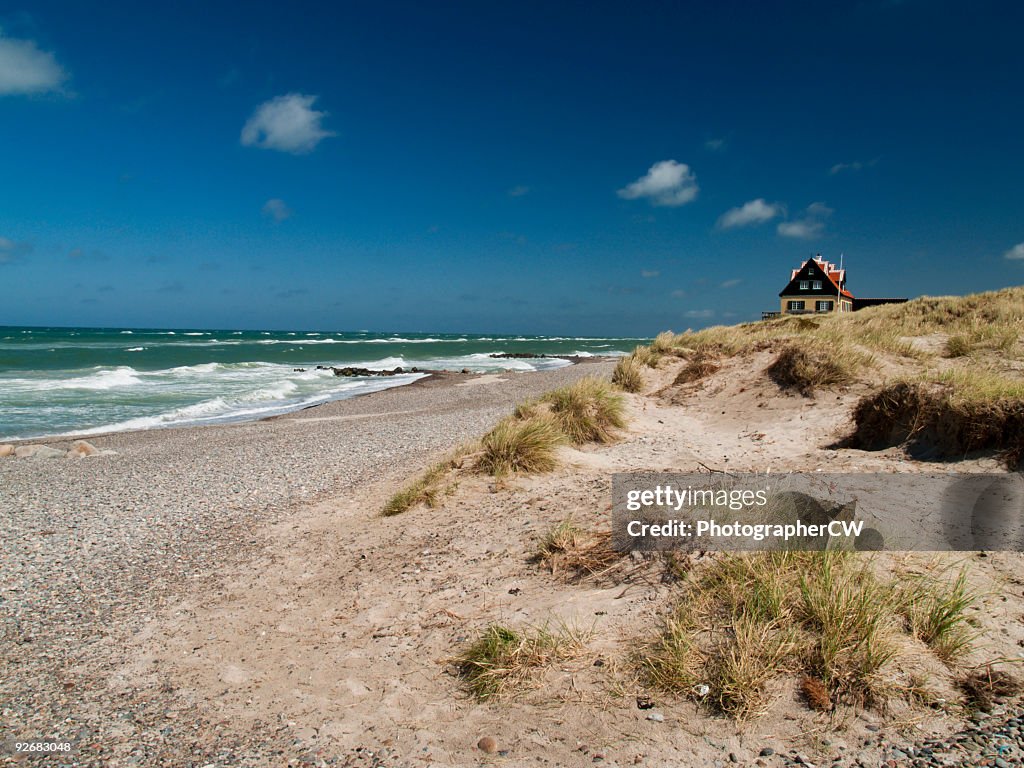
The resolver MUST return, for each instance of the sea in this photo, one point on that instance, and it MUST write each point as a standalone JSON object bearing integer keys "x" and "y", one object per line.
{"x": 83, "y": 381}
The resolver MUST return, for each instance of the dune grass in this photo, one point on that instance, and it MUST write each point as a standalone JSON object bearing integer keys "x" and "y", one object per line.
{"x": 627, "y": 375}
{"x": 745, "y": 620}
{"x": 698, "y": 367}
{"x": 937, "y": 615}
{"x": 587, "y": 411}
{"x": 811, "y": 365}
{"x": 949, "y": 414}
{"x": 429, "y": 487}
{"x": 503, "y": 660}
{"x": 518, "y": 445}
{"x": 663, "y": 344}
{"x": 984, "y": 321}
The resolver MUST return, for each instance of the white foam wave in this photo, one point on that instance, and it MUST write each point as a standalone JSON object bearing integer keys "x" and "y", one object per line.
{"x": 134, "y": 349}
{"x": 258, "y": 404}
{"x": 104, "y": 378}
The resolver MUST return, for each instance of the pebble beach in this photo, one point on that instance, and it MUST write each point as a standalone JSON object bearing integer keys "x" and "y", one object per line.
{"x": 94, "y": 548}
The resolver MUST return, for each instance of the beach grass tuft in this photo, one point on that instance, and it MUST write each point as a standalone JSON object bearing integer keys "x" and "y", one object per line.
{"x": 588, "y": 411}
{"x": 503, "y": 659}
{"x": 698, "y": 367}
{"x": 663, "y": 344}
{"x": 518, "y": 445}
{"x": 806, "y": 367}
{"x": 429, "y": 487}
{"x": 627, "y": 374}
{"x": 938, "y": 616}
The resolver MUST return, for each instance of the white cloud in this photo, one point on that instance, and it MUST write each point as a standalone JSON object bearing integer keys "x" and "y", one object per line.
{"x": 752, "y": 212}
{"x": 649, "y": 273}
{"x": 803, "y": 230}
{"x": 286, "y": 123}
{"x": 731, "y": 283}
{"x": 678, "y": 293}
{"x": 810, "y": 226}
{"x": 24, "y": 69}
{"x": 715, "y": 145}
{"x": 1017, "y": 252}
{"x": 666, "y": 183}
{"x": 701, "y": 313}
{"x": 276, "y": 209}
{"x": 518, "y": 191}
{"x": 855, "y": 166}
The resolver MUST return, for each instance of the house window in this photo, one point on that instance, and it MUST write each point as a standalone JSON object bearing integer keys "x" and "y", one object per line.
{"x": 805, "y": 284}
{"x": 824, "y": 306}
{"x": 794, "y": 306}
{"x": 817, "y": 285}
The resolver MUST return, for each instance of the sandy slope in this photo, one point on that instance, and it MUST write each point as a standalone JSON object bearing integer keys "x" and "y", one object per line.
{"x": 335, "y": 643}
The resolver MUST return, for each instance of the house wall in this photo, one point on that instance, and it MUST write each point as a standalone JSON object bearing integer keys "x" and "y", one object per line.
{"x": 810, "y": 302}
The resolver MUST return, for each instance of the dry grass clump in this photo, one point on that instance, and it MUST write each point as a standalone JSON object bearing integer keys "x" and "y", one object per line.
{"x": 429, "y": 487}
{"x": 664, "y": 344}
{"x": 503, "y": 659}
{"x": 588, "y": 411}
{"x": 698, "y": 367}
{"x": 747, "y": 619}
{"x": 647, "y": 356}
{"x": 958, "y": 346}
{"x": 984, "y": 686}
{"x": 580, "y": 554}
{"x": 948, "y": 415}
{"x": 517, "y": 445}
{"x": 804, "y": 367}
{"x": 627, "y": 374}
{"x": 815, "y": 694}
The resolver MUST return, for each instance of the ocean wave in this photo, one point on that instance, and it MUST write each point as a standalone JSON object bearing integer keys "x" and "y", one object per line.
{"x": 102, "y": 379}
{"x": 134, "y": 349}
{"x": 389, "y": 340}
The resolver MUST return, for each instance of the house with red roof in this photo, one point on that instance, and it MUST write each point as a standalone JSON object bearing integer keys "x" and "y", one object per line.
{"x": 819, "y": 286}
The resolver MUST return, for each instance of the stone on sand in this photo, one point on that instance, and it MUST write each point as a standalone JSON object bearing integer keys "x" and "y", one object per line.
{"x": 488, "y": 745}
{"x": 38, "y": 452}
{"x": 6, "y": 450}
{"x": 82, "y": 448}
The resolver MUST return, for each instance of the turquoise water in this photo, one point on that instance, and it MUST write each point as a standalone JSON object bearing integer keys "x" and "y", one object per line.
{"x": 57, "y": 381}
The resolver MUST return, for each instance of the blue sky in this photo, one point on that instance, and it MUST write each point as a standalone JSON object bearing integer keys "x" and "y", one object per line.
{"x": 529, "y": 167}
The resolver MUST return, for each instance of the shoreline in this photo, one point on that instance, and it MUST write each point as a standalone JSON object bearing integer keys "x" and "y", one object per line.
{"x": 439, "y": 377}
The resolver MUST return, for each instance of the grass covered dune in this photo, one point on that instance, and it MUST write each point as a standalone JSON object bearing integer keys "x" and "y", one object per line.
{"x": 946, "y": 375}
{"x": 939, "y": 379}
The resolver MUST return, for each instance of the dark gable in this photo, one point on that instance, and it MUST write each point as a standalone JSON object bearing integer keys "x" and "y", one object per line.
{"x": 810, "y": 271}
